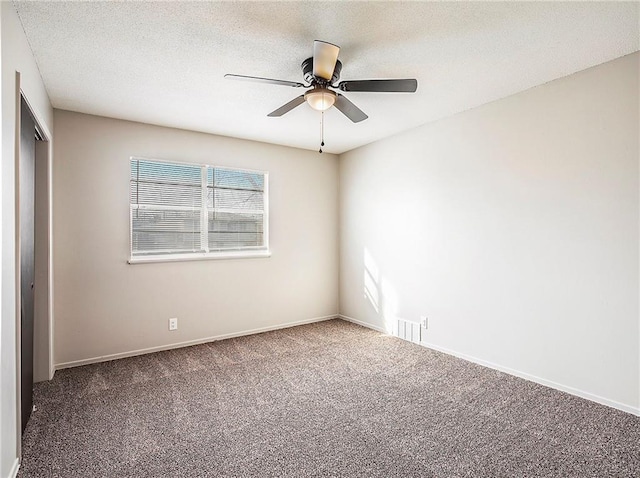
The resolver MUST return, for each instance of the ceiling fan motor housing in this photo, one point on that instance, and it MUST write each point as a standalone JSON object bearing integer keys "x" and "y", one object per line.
{"x": 307, "y": 72}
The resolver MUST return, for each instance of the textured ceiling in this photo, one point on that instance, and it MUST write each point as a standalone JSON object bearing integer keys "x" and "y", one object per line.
{"x": 163, "y": 63}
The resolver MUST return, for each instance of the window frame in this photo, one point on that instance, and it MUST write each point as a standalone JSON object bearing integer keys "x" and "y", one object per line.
{"x": 243, "y": 253}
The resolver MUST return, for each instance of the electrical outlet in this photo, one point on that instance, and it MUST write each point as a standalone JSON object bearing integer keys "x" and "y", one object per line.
{"x": 173, "y": 324}
{"x": 424, "y": 322}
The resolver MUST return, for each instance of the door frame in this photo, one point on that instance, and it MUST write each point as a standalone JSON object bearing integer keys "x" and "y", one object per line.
{"x": 47, "y": 156}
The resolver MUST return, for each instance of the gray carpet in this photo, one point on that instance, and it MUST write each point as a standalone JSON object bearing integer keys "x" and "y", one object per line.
{"x": 327, "y": 399}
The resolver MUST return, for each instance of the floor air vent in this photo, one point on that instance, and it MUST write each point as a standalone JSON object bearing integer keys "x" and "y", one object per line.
{"x": 407, "y": 330}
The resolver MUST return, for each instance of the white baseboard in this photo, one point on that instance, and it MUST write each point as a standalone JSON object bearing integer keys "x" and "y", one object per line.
{"x": 14, "y": 469}
{"x": 363, "y": 324}
{"x": 188, "y": 343}
{"x": 542, "y": 381}
{"x": 533, "y": 378}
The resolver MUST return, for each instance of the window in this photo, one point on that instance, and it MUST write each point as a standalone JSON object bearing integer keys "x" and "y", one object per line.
{"x": 192, "y": 211}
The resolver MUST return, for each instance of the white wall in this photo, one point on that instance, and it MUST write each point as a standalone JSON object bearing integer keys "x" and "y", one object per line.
{"x": 15, "y": 55}
{"x": 514, "y": 228}
{"x": 105, "y": 306}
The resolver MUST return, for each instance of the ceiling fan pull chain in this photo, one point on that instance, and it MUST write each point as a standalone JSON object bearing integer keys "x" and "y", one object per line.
{"x": 321, "y": 131}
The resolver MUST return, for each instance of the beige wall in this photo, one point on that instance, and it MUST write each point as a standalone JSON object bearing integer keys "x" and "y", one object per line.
{"x": 15, "y": 56}
{"x": 514, "y": 228}
{"x": 105, "y": 306}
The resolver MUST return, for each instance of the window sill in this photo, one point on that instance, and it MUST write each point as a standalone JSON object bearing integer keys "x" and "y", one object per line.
{"x": 199, "y": 256}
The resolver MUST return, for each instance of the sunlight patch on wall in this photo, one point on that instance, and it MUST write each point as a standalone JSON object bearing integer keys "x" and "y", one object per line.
{"x": 371, "y": 278}
{"x": 380, "y": 293}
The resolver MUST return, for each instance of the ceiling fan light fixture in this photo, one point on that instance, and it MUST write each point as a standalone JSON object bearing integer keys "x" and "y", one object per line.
{"x": 320, "y": 99}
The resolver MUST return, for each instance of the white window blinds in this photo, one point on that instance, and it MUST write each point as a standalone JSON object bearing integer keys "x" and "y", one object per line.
{"x": 179, "y": 209}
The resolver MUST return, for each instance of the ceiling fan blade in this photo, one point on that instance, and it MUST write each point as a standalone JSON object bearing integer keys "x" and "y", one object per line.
{"x": 325, "y": 56}
{"x": 264, "y": 80}
{"x": 350, "y": 110}
{"x": 388, "y": 86}
{"x": 288, "y": 106}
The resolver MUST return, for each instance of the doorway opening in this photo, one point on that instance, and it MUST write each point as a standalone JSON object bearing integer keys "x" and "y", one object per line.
{"x": 33, "y": 249}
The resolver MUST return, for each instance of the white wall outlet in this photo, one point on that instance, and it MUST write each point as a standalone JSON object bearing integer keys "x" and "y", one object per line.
{"x": 173, "y": 324}
{"x": 424, "y": 322}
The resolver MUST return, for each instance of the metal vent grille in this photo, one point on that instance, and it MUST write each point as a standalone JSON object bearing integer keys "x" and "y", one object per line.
{"x": 407, "y": 330}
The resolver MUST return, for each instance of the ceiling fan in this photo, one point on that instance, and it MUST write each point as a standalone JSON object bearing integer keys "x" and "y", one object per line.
{"x": 321, "y": 72}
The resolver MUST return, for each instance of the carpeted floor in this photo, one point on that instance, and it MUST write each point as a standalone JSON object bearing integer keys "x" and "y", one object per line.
{"x": 327, "y": 399}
